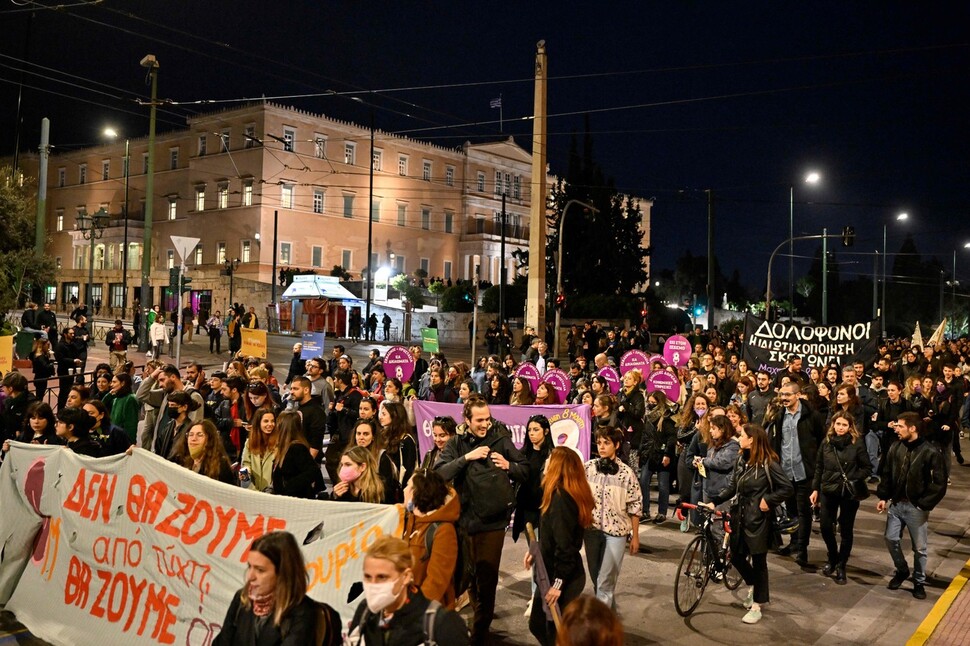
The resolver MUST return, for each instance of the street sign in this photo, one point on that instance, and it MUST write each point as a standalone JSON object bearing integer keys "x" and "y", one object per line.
{"x": 184, "y": 246}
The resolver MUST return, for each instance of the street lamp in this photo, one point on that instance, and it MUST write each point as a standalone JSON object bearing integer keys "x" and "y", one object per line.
{"x": 112, "y": 133}
{"x": 885, "y": 233}
{"x": 562, "y": 221}
{"x": 812, "y": 177}
{"x": 91, "y": 228}
{"x": 149, "y": 62}
{"x": 231, "y": 267}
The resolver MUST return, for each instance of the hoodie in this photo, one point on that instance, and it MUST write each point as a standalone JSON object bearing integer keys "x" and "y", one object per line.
{"x": 434, "y": 572}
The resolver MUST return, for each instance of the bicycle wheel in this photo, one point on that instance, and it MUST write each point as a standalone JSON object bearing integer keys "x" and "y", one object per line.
{"x": 692, "y": 576}
{"x": 732, "y": 578}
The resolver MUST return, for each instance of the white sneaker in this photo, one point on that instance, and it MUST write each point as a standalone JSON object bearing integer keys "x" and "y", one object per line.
{"x": 753, "y": 616}
{"x": 528, "y": 608}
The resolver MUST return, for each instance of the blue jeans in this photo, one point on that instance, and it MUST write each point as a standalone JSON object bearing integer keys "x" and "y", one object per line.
{"x": 663, "y": 484}
{"x": 872, "y": 448}
{"x": 604, "y": 556}
{"x": 905, "y": 514}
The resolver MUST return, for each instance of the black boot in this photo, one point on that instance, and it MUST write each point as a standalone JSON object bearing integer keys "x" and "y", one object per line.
{"x": 840, "y": 574}
{"x": 829, "y": 568}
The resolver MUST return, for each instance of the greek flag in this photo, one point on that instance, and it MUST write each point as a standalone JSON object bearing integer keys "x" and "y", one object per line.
{"x": 495, "y": 103}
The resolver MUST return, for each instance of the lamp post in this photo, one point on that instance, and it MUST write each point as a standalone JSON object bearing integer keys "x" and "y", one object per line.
{"x": 91, "y": 228}
{"x": 812, "y": 177}
{"x": 885, "y": 233}
{"x": 151, "y": 63}
{"x": 562, "y": 221}
{"x": 111, "y": 132}
{"x": 231, "y": 267}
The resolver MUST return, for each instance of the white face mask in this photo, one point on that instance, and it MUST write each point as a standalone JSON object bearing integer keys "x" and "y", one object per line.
{"x": 380, "y": 595}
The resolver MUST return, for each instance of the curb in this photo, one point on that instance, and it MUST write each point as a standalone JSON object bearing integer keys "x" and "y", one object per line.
{"x": 940, "y": 608}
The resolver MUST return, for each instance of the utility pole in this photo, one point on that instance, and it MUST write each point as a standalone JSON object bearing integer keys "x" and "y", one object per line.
{"x": 501, "y": 271}
{"x": 825, "y": 277}
{"x": 535, "y": 308}
{"x": 370, "y": 229}
{"x": 44, "y": 152}
{"x": 710, "y": 260}
{"x": 151, "y": 63}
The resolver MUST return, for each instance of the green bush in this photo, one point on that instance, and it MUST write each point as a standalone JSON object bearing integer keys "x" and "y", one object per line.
{"x": 453, "y": 299}
{"x": 514, "y": 300}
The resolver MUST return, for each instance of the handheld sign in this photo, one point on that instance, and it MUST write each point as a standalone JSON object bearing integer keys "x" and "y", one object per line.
{"x": 560, "y": 381}
{"x": 634, "y": 359}
{"x": 677, "y": 351}
{"x": 612, "y": 378}
{"x": 528, "y": 373}
{"x": 664, "y": 382}
{"x": 398, "y": 363}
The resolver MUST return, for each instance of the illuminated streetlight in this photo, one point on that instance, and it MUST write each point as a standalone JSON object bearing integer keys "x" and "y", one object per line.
{"x": 113, "y": 134}
{"x": 812, "y": 177}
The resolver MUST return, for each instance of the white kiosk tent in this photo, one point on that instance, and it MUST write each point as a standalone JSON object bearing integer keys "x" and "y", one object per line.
{"x": 327, "y": 289}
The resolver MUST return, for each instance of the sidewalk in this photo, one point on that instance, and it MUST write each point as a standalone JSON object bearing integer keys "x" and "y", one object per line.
{"x": 948, "y": 623}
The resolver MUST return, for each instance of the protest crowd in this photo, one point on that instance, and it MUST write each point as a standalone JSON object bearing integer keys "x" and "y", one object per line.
{"x": 778, "y": 451}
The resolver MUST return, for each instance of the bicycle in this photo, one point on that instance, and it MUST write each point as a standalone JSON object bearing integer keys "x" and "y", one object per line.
{"x": 706, "y": 556}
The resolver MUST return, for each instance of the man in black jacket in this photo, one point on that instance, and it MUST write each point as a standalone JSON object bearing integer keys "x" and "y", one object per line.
{"x": 313, "y": 413}
{"x": 47, "y": 321}
{"x": 82, "y": 335}
{"x": 469, "y": 460}
{"x": 913, "y": 483}
{"x": 795, "y": 433}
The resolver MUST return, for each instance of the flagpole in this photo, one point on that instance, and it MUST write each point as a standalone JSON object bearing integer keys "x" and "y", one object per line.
{"x": 500, "y": 108}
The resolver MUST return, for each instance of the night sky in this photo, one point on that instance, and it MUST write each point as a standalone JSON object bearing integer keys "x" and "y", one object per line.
{"x": 740, "y": 98}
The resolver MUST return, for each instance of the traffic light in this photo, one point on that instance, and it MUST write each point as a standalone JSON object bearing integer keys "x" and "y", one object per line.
{"x": 173, "y": 277}
{"x": 699, "y": 311}
{"x": 561, "y": 301}
{"x": 848, "y": 236}
{"x": 186, "y": 279}
{"x": 468, "y": 297}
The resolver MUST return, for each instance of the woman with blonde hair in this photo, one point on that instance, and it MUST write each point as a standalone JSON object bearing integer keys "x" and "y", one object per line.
{"x": 567, "y": 510}
{"x": 359, "y": 478}
{"x": 842, "y": 462}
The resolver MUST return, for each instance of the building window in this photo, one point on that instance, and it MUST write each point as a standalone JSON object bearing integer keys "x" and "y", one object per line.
{"x": 498, "y": 182}
{"x": 402, "y": 165}
{"x": 447, "y": 270}
{"x": 173, "y": 158}
{"x": 224, "y": 140}
{"x": 377, "y": 160}
{"x": 517, "y": 187}
{"x": 249, "y": 135}
{"x": 425, "y": 264}
{"x": 61, "y": 176}
{"x": 317, "y": 201}
{"x": 350, "y": 152}
{"x": 144, "y": 163}
{"x": 246, "y": 251}
{"x": 82, "y": 173}
{"x": 172, "y": 208}
{"x": 116, "y": 294}
{"x": 319, "y": 146}
{"x": 198, "y": 254}
{"x": 202, "y": 145}
{"x": 345, "y": 258}
{"x": 223, "y": 196}
{"x": 200, "y": 198}
{"x": 450, "y": 175}
{"x": 59, "y": 220}
{"x": 402, "y": 215}
{"x": 426, "y": 170}
{"x": 286, "y": 196}
{"x": 508, "y": 183}
{"x": 426, "y": 219}
{"x": 375, "y": 209}
{"x": 105, "y": 169}
{"x": 220, "y": 252}
{"x": 286, "y": 253}
{"x": 171, "y": 259}
{"x": 348, "y": 206}
{"x": 399, "y": 264}
{"x": 449, "y": 222}
{"x": 316, "y": 256}
{"x": 289, "y": 137}
{"x": 481, "y": 182}
{"x": 247, "y": 199}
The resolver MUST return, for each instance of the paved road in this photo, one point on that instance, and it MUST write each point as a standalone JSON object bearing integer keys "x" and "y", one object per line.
{"x": 805, "y": 609}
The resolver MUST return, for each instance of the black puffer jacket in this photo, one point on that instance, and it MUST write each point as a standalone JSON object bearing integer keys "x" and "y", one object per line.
{"x": 629, "y": 415}
{"x": 915, "y": 470}
{"x": 750, "y": 527}
{"x": 659, "y": 441}
{"x": 835, "y": 451}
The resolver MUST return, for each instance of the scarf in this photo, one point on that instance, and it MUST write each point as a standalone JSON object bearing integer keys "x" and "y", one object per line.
{"x": 263, "y": 605}
{"x": 654, "y": 416}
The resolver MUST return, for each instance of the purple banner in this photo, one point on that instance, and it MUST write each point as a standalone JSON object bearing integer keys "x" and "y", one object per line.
{"x": 570, "y": 424}
{"x": 560, "y": 381}
{"x": 398, "y": 363}
{"x": 664, "y": 382}
{"x": 637, "y": 359}
{"x": 612, "y": 378}
{"x": 677, "y": 350}
{"x": 528, "y": 373}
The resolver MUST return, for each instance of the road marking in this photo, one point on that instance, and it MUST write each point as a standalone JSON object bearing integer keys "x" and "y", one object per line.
{"x": 933, "y": 619}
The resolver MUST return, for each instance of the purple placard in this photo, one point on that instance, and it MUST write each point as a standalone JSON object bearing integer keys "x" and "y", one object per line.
{"x": 529, "y": 373}
{"x": 398, "y": 363}
{"x": 635, "y": 359}
{"x": 560, "y": 381}
{"x": 664, "y": 382}
{"x": 677, "y": 350}
{"x": 570, "y": 424}
{"x": 612, "y": 378}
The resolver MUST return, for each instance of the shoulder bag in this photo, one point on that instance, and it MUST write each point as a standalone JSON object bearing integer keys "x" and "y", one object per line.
{"x": 854, "y": 489}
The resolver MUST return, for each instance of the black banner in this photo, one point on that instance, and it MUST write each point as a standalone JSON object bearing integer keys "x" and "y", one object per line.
{"x": 767, "y": 345}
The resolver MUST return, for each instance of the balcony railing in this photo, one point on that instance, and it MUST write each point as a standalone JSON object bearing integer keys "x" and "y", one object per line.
{"x": 480, "y": 226}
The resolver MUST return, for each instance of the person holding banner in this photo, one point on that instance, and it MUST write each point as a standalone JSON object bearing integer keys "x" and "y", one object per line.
{"x": 567, "y": 511}
{"x": 259, "y": 453}
{"x": 201, "y": 451}
{"x": 295, "y": 472}
{"x": 368, "y": 436}
{"x": 359, "y": 480}
{"x": 272, "y": 608}
{"x": 73, "y": 427}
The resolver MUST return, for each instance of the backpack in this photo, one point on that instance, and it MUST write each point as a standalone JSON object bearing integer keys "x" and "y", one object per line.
{"x": 464, "y": 567}
{"x": 328, "y": 631}
{"x": 427, "y": 624}
{"x": 488, "y": 488}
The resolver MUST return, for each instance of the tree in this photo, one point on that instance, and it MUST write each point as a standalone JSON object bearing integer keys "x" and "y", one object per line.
{"x": 22, "y": 270}
{"x": 410, "y": 293}
{"x": 339, "y": 272}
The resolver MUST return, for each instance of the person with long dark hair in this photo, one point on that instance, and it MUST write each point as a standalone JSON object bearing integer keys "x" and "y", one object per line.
{"x": 295, "y": 472}
{"x": 272, "y": 608}
{"x": 259, "y": 452}
{"x": 756, "y": 487}
{"x": 73, "y": 428}
{"x": 122, "y": 405}
{"x": 498, "y": 390}
{"x": 369, "y": 436}
{"x": 398, "y": 441}
{"x": 567, "y": 510}
{"x": 201, "y": 450}
{"x": 842, "y": 459}
{"x": 692, "y": 418}
{"x": 657, "y": 454}
{"x": 42, "y": 365}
